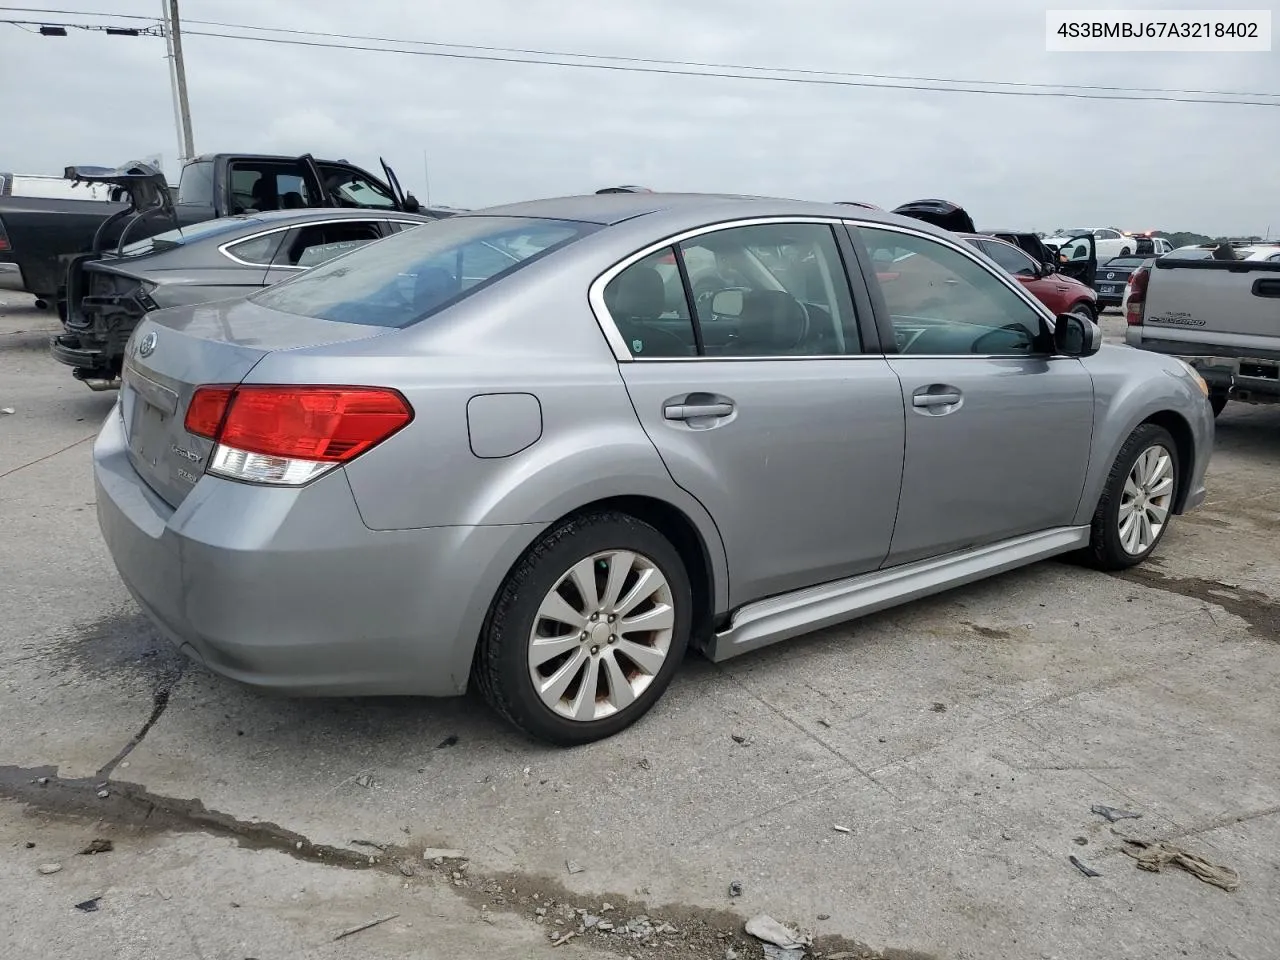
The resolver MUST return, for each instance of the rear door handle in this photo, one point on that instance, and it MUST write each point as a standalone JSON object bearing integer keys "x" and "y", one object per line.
{"x": 692, "y": 411}
{"x": 934, "y": 399}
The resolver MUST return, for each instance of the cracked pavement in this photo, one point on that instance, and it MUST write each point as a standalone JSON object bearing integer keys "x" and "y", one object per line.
{"x": 961, "y": 741}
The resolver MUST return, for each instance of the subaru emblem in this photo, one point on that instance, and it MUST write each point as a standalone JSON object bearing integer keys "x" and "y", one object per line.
{"x": 147, "y": 345}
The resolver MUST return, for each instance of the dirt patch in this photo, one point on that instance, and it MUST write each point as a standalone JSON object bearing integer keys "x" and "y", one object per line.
{"x": 1258, "y": 610}
{"x": 991, "y": 633}
{"x": 608, "y": 921}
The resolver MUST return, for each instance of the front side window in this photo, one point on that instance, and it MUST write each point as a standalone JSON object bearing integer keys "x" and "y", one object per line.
{"x": 945, "y": 303}
{"x": 1012, "y": 259}
{"x": 417, "y": 273}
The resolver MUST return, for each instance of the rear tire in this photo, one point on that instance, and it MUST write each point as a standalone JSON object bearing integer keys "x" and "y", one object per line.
{"x": 569, "y": 616}
{"x": 1136, "y": 506}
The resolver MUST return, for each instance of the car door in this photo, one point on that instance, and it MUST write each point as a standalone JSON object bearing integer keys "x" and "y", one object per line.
{"x": 768, "y": 401}
{"x": 997, "y": 429}
{"x": 310, "y": 244}
{"x": 1048, "y": 288}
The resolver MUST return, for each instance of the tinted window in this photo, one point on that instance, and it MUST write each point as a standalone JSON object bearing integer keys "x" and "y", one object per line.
{"x": 771, "y": 290}
{"x": 1124, "y": 263}
{"x": 649, "y": 308}
{"x": 257, "y": 249}
{"x": 417, "y": 273}
{"x": 1012, "y": 259}
{"x": 268, "y": 186}
{"x": 196, "y": 184}
{"x": 943, "y": 302}
{"x": 337, "y": 237}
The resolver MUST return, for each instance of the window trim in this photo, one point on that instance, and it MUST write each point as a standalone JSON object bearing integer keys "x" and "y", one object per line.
{"x": 885, "y": 323}
{"x": 595, "y": 292}
{"x": 224, "y": 248}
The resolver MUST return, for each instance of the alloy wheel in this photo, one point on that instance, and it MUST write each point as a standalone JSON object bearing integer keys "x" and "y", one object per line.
{"x": 1146, "y": 500}
{"x": 601, "y": 635}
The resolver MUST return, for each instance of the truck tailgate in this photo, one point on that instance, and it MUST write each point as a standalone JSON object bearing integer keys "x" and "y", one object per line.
{"x": 1226, "y": 303}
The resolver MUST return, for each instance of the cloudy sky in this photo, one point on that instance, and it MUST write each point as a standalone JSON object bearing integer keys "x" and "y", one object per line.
{"x": 496, "y": 132}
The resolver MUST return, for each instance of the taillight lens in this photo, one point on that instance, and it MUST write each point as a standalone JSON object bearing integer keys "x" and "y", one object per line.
{"x": 292, "y": 434}
{"x": 1135, "y": 296}
{"x": 4, "y": 238}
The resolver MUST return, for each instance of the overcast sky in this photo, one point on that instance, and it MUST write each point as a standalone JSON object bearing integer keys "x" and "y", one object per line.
{"x": 498, "y": 132}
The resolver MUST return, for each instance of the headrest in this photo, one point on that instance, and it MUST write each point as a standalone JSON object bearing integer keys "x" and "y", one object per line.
{"x": 637, "y": 292}
{"x": 434, "y": 284}
{"x": 771, "y": 318}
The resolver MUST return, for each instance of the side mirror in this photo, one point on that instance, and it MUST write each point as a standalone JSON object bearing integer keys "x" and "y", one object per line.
{"x": 1076, "y": 336}
{"x": 727, "y": 303}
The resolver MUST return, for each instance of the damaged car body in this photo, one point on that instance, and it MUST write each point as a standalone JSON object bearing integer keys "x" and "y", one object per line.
{"x": 106, "y": 295}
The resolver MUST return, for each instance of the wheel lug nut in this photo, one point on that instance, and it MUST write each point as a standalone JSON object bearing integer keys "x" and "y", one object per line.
{"x": 613, "y": 639}
{"x": 595, "y": 649}
{"x": 612, "y": 617}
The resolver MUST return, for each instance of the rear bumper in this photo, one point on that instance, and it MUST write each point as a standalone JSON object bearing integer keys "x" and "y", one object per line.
{"x": 288, "y": 590}
{"x": 1245, "y": 378}
{"x": 74, "y": 351}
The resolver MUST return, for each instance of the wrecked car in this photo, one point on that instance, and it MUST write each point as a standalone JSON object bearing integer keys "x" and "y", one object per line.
{"x": 39, "y": 232}
{"x": 232, "y": 256}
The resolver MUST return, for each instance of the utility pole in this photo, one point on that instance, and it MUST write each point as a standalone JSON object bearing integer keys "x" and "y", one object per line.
{"x": 178, "y": 79}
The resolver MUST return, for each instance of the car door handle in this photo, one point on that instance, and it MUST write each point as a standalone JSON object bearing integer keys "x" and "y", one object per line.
{"x": 934, "y": 399}
{"x": 692, "y": 411}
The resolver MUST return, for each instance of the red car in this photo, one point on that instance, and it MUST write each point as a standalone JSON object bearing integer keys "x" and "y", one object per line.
{"x": 1057, "y": 291}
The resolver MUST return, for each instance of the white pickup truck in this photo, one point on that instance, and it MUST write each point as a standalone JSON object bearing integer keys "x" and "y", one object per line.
{"x": 1221, "y": 316}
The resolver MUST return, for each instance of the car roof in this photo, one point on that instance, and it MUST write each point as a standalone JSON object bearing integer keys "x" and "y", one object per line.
{"x": 613, "y": 208}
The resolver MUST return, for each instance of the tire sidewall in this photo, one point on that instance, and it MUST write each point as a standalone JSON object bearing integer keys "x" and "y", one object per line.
{"x": 1144, "y": 438}
{"x": 517, "y": 609}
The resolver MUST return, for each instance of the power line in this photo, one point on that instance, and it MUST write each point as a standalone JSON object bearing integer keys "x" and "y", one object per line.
{"x": 666, "y": 71}
{"x": 670, "y": 71}
{"x": 702, "y": 65}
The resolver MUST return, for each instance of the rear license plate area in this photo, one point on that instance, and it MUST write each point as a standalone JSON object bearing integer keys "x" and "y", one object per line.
{"x": 1107, "y": 288}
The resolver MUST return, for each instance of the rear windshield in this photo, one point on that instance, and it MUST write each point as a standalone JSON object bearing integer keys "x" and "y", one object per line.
{"x": 1123, "y": 262}
{"x": 1196, "y": 254}
{"x": 407, "y": 277}
{"x": 176, "y": 238}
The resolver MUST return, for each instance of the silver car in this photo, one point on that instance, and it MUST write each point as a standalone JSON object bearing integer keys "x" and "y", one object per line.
{"x": 548, "y": 447}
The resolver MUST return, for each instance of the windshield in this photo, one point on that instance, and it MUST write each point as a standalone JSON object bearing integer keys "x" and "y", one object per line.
{"x": 407, "y": 277}
{"x": 176, "y": 238}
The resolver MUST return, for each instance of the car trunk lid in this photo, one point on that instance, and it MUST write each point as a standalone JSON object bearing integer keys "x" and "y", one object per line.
{"x": 172, "y": 352}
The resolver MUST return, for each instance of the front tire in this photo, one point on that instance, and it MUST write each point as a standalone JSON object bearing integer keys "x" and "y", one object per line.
{"x": 1137, "y": 500}
{"x": 587, "y": 630}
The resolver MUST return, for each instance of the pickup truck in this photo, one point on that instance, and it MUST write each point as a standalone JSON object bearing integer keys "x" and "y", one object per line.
{"x": 36, "y": 233}
{"x": 1220, "y": 316}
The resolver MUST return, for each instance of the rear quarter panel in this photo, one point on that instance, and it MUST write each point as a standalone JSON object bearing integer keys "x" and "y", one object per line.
{"x": 1131, "y": 386}
{"x": 534, "y": 334}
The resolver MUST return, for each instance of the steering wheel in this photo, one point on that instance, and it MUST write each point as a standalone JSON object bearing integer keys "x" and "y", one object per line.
{"x": 1000, "y": 344}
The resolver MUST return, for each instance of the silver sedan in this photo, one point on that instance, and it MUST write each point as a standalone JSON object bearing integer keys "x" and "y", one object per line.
{"x": 547, "y": 448}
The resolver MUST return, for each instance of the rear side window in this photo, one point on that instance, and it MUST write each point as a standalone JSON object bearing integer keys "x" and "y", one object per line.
{"x": 257, "y": 250}
{"x": 766, "y": 290}
{"x": 416, "y": 273}
{"x": 1013, "y": 260}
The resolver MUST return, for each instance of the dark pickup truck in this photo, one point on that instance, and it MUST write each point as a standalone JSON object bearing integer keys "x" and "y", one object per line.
{"x": 38, "y": 233}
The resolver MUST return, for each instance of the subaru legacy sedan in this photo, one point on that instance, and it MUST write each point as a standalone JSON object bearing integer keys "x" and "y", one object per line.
{"x": 547, "y": 448}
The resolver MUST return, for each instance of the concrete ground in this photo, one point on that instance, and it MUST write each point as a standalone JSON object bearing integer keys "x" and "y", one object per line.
{"x": 911, "y": 785}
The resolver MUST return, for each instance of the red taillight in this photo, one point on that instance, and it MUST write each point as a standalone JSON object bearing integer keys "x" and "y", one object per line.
{"x": 206, "y": 409}
{"x": 1135, "y": 296}
{"x": 4, "y": 238}
{"x": 319, "y": 424}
